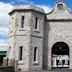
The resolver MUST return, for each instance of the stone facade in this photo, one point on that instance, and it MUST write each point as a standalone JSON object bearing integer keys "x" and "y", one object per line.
{"x": 53, "y": 27}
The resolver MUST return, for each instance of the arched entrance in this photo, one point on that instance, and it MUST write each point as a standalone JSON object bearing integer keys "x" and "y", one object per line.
{"x": 60, "y": 55}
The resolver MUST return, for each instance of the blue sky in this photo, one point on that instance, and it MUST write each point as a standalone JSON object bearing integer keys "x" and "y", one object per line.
{"x": 38, "y": 2}
{"x": 7, "y": 5}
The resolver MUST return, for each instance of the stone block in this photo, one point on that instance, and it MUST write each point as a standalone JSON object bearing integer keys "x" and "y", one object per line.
{"x": 11, "y": 62}
{"x": 5, "y": 61}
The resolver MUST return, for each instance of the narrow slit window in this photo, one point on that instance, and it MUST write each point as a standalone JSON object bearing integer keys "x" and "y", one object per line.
{"x": 36, "y": 23}
{"x": 35, "y": 54}
{"x": 20, "y": 52}
{"x": 57, "y": 62}
{"x": 22, "y": 22}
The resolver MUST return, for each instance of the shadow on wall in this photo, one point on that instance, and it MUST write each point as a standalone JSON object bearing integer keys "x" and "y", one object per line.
{"x": 45, "y": 45}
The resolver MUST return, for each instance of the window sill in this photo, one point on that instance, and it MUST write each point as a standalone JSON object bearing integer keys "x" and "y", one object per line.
{"x": 22, "y": 29}
{"x": 36, "y": 30}
{"x": 20, "y": 62}
{"x": 35, "y": 63}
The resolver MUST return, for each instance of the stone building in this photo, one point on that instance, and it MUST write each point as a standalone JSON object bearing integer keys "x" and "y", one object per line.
{"x": 39, "y": 40}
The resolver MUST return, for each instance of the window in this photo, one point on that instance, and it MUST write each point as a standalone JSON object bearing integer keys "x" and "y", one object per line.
{"x": 57, "y": 62}
{"x": 35, "y": 54}
{"x": 68, "y": 62}
{"x": 63, "y": 62}
{"x": 20, "y": 52}
{"x": 36, "y": 22}
{"x": 22, "y": 22}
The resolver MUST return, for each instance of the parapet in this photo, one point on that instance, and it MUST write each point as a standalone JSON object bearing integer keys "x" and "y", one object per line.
{"x": 26, "y": 7}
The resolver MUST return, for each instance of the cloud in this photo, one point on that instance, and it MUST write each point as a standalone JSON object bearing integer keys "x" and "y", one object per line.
{"x": 3, "y": 45}
{"x": 46, "y": 8}
{"x": 3, "y": 48}
{"x": 4, "y": 21}
{"x": 2, "y": 41}
{"x": 4, "y": 17}
{"x": 18, "y": 2}
{"x": 3, "y": 30}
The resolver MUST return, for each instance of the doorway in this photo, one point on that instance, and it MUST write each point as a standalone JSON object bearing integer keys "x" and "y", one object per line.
{"x": 1, "y": 61}
{"x": 60, "y": 55}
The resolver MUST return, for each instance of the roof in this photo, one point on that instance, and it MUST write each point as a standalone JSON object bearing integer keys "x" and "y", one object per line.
{"x": 26, "y": 7}
{"x": 3, "y": 53}
{"x": 60, "y": 11}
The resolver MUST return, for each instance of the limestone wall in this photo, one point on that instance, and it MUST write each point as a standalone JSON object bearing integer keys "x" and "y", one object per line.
{"x": 27, "y": 37}
{"x": 53, "y": 27}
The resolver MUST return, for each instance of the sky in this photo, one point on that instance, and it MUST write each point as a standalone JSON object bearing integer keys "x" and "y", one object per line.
{"x": 7, "y": 5}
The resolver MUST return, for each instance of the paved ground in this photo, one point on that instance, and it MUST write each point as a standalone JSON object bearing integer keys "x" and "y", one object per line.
{"x": 6, "y": 69}
{"x": 55, "y": 70}
{"x": 10, "y": 69}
